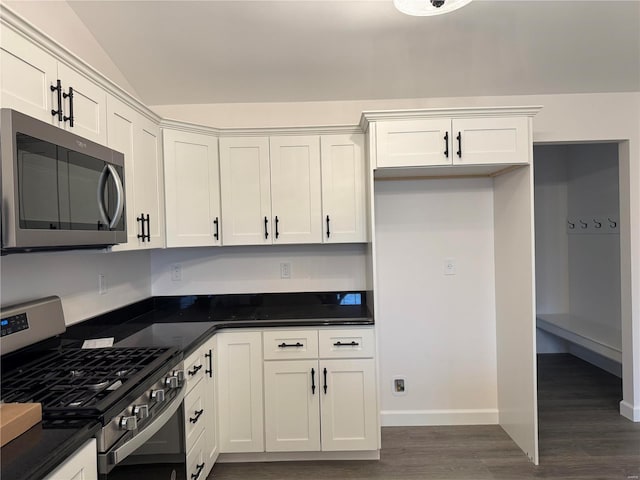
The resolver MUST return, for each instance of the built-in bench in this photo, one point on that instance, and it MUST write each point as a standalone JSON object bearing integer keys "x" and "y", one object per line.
{"x": 601, "y": 339}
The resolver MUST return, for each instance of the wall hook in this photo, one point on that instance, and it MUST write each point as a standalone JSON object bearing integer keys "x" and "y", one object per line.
{"x": 612, "y": 223}
{"x": 583, "y": 224}
{"x": 597, "y": 223}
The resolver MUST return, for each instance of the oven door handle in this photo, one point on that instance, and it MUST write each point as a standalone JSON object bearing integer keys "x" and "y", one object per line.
{"x": 117, "y": 455}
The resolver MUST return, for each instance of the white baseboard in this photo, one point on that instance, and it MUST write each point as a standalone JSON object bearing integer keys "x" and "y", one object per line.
{"x": 628, "y": 411}
{"x": 297, "y": 456}
{"x": 409, "y": 418}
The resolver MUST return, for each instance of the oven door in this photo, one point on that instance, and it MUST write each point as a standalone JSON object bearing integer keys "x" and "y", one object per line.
{"x": 157, "y": 451}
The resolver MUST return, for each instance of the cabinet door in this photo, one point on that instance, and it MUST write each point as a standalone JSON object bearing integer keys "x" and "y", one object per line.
{"x": 491, "y": 140}
{"x": 240, "y": 392}
{"x": 245, "y": 187}
{"x": 149, "y": 185}
{"x": 295, "y": 189}
{"x": 414, "y": 143}
{"x": 191, "y": 189}
{"x": 26, "y": 75}
{"x": 349, "y": 415}
{"x": 211, "y": 404}
{"x": 292, "y": 406}
{"x": 89, "y": 105}
{"x": 120, "y": 133}
{"x": 83, "y": 465}
{"x": 343, "y": 192}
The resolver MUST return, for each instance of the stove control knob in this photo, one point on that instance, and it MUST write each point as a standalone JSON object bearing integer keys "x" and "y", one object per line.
{"x": 157, "y": 395}
{"x": 172, "y": 382}
{"x": 141, "y": 411}
{"x": 128, "y": 423}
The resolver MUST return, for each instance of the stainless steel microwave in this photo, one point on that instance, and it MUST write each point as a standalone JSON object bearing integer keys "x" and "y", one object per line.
{"x": 59, "y": 190}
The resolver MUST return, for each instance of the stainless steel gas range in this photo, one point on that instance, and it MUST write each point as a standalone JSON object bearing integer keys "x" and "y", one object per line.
{"x": 133, "y": 392}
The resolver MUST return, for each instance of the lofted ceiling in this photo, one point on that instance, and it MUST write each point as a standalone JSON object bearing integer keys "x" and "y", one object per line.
{"x": 183, "y": 52}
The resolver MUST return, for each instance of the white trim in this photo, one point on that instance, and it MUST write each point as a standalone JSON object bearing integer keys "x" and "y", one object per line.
{"x": 629, "y": 411}
{"x": 415, "y": 418}
{"x": 467, "y": 112}
{"x": 297, "y": 456}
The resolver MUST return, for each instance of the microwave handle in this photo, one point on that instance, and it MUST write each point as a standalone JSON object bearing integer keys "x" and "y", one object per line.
{"x": 102, "y": 183}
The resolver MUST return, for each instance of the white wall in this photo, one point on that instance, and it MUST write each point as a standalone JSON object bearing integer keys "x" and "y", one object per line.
{"x": 57, "y": 19}
{"x": 314, "y": 268}
{"x": 73, "y": 276}
{"x": 437, "y": 330}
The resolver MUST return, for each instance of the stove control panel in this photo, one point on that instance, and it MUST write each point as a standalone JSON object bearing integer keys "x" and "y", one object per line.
{"x": 14, "y": 324}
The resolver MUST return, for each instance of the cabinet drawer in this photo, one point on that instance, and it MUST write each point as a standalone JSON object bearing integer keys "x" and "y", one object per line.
{"x": 194, "y": 415}
{"x": 290, "y": 344}
{"x": 347, "y": 343}
{"x": 197, "y": 467}
{"x": 194, "y": 367}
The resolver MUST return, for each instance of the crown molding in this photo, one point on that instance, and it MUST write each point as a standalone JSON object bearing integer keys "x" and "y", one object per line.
{"x": 264, "y": 131}
{"x": 381, "y": 115}
{"x": 10, "y": 19}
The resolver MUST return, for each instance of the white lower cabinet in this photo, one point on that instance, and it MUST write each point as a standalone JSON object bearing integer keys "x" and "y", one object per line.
{"x": 321, "y": 404}
{"x": 241, "y": 424}
{"x": 83, "y": 465}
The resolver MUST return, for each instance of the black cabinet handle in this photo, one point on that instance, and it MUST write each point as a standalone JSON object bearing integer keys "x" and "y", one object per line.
{"x": 459, "y": 138}
{"x": 198, "y": 414}
{"x": 195, "y": 476}
{"x": 70, "y": 96}
{"x": 217, "y": 234}
{"x": 210, "y": 370}
{"x": 142, "y": 235}
{"x": 288, "y": 345}
{"x": 446, "y": 144}
{"x": 328, "y": 231}
{"x": 313, "y": 382}
{"x": 57, "y": 88}
{"x": 194, "y": 370}
{"x": 350, "y": 344}
{"x": 277, "y": 232}
{"x": 148, "y": 229}
{"x": 266, "y": 223}
{"x": 325, "y": 381}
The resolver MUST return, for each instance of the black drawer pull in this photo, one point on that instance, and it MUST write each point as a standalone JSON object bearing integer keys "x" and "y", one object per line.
{"x": 210, "y": 369}
{"x": 313, "y": 382}
{"x": 328, "y": 230}
{"x": 277, "y": 231}
{"x": 459, "y": 138}
{"x": 217, "y": 234}
{"x": 290, "y": 345}
{"x": 198, "y": 413}
{"x": 70, "y": 97}
{"x": 266, "y": 231}
{"x": 57, "y": 88}
{"x": 351, "y": 344}
{"x": 198, "y": 471}
{"x": 446, "y": 144}
{"x": 195, "y": 369}
{"x": 324, "y": 371}
{"x": 143, "y": 235}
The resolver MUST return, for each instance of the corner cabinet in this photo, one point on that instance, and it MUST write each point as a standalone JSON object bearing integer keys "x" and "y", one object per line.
{"x": 34, "y": 82}
{"x": 240, "y": 392}
{"x": 192, "y": 191}
{"x": 463, "y": 137}
{"x": 139, "y": 139}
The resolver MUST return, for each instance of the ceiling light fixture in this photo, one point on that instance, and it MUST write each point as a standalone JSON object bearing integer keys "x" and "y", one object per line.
{"x": 423, "y": 8}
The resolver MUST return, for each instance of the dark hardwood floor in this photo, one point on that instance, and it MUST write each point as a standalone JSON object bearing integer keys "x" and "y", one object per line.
{"x": 582, "y": 437}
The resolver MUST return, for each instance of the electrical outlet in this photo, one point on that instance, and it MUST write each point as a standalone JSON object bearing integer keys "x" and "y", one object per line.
{"x": 285, "y": 270}
{"x": 399, "y": 386}
{"x": 176, "y": 272}
{"x": 102, "y": 284}
{"x": 449, "y": 266}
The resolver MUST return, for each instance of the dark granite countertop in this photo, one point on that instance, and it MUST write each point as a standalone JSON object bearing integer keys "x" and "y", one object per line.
{"x": 38, "y": 451}
{"x": 184, "y": 322}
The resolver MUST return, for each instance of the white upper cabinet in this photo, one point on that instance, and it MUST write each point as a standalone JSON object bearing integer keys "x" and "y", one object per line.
{"x": 444, "y": 138}
{"x": 414, "y": 143}
{"x": 35, "y": 83}
{"x": 295, "y": 189}
{"x": 483, "y": 141}
{"x": 343, "y": 193}
{"x": 245, "y": 187}
{"x": 191, "y": 189}
{"x": 138, "y": 138}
